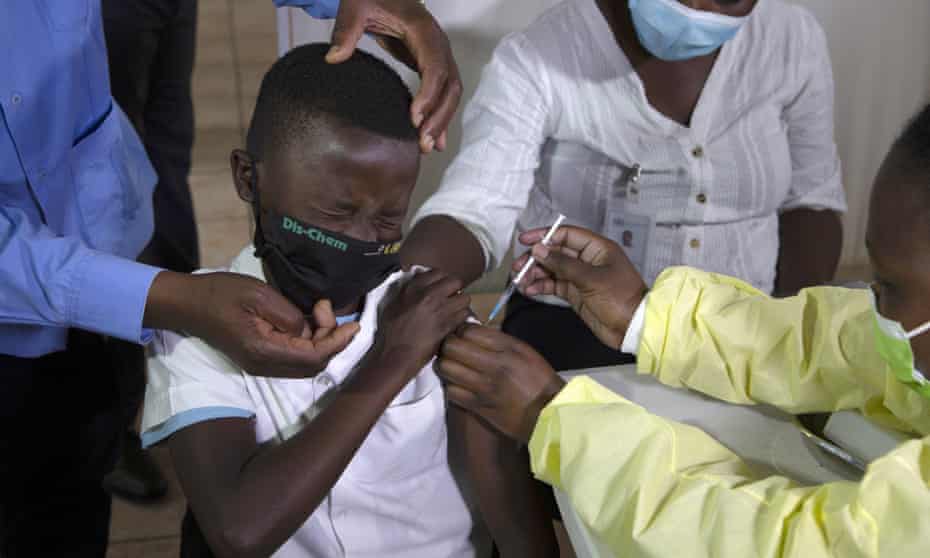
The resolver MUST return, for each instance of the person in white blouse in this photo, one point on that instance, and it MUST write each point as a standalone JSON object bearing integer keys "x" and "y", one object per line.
{"x": 693, "y": 133}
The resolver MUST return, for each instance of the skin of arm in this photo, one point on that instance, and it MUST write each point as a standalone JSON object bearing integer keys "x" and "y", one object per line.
{"x": 498, "y": 469}
{"x": 510, "y": 501}
{"x": 810, "y": 240}
{"x": 810, "y": 243}
{"x": 441, "y": 242}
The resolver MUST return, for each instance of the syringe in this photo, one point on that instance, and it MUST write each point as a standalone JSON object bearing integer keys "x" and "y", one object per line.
{"x": 502, "y": 301}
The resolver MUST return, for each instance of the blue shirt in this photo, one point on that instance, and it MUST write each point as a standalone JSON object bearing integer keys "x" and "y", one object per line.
{"x": 75, "y": 183}
{"x": 320, "y": 9}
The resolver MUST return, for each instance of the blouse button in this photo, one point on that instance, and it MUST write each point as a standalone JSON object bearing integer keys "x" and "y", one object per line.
{"x": 702, "y": 198}
{"x": 695, "y": 243}
{"x": 698, "y": 152}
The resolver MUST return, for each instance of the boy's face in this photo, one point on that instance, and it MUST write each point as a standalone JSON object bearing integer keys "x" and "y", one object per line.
{"x": 345, "y": 180}
{"x": 898, "y": 241}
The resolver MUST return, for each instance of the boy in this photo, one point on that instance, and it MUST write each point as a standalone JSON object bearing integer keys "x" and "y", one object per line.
{"x": 353, "y": 461}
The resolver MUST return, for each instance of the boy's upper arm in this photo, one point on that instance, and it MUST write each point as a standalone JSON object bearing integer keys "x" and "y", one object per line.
{"x": 190, "y": 382}
{"x": 515, "y": 508}
{"x": 208, "y": 457}
{"x": 198, "y": 404}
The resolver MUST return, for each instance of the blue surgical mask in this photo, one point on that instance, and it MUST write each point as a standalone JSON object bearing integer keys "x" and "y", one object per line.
{"x": 672, "y": 31}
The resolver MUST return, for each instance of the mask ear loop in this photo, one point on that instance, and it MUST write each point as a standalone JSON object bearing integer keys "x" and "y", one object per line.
{"x": 918, "y": 374}
{"x": 261, "y": 245}
{"x": 919, "y": 330}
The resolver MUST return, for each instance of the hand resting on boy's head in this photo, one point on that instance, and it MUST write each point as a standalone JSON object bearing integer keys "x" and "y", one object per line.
{"x": 408, "y": 31}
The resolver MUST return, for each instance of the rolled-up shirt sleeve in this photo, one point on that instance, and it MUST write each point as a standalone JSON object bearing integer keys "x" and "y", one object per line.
{"x": 816, "y": 174}
{"x": 189, "y": 382}
{"x": 55, "y": 280}
{"x": 505, "y": 125}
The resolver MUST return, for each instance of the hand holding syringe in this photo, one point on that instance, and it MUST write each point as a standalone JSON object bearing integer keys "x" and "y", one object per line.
{"x": 502, "y": 301}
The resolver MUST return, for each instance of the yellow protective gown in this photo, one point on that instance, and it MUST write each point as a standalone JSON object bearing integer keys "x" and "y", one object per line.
{"x": 648, "y": 486}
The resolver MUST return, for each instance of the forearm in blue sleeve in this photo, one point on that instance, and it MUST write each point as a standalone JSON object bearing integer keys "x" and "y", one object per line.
{"x": 320, "y": 9}
{"x": 52, "y": 280}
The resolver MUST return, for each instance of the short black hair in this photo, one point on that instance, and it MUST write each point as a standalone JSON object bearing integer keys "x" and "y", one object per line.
{"x": 914, "y": 143}
{"x": 302, "y": 92}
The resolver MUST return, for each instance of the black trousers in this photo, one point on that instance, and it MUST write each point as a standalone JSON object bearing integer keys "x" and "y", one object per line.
{"x": 559, "y": 335}
{"x": 151, "y": 45}
{"x": 62, "y": 417}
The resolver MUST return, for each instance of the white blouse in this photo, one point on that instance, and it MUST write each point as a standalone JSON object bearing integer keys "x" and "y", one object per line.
{"x": 560, "y": 123}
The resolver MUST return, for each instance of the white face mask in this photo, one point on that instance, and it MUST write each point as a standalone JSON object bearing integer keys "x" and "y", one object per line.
{"x": 894, "y": 345}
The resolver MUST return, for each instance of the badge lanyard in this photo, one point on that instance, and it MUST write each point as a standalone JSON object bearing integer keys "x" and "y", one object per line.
{"x": 628, "y": 223}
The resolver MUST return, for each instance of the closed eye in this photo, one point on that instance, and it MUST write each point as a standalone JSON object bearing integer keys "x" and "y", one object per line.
{"x": 390, "y": 225}
{"x": 336, "y": 213}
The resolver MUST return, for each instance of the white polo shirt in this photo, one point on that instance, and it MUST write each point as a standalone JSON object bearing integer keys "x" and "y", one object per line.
{"x": 397, "y": 498}
{"x": 560, "y": 122}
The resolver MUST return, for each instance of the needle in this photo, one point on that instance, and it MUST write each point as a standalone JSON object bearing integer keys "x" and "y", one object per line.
{"x": 502, "y": 301}
{"x": 833, "y": 449}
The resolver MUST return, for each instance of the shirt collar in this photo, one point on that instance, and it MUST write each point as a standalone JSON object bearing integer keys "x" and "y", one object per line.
{"x": 343, "y": 363}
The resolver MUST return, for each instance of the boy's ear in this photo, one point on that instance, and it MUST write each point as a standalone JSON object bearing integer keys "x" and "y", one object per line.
{"x": 243, "y": 172}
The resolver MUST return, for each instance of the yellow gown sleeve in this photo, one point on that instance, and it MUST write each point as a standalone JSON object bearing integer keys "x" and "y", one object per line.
{"x": 650, "y": 487}
{"x": 814, "y": 352}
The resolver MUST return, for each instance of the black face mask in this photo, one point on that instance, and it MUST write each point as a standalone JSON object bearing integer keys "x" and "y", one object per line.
{"x": 308, "y": 263}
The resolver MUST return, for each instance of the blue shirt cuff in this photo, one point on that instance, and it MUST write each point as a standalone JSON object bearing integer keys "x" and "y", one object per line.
{"x": 320, "y": 9}
{"x": 108, "y": 296}
{"x": 184, "y": 419}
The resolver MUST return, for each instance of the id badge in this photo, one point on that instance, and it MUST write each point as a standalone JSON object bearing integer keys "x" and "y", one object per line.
{"x": 624, "y": 224}
{"x": 634, "y": 233}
